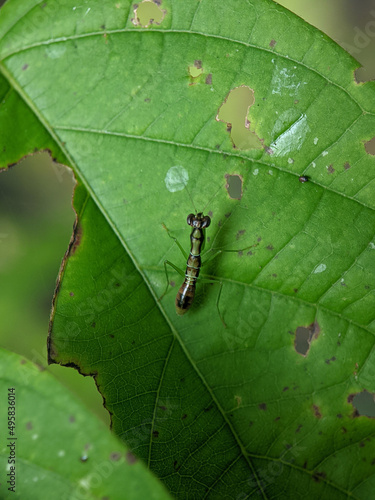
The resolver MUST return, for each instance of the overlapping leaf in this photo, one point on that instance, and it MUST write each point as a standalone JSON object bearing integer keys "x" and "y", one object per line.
{"x": 53, "y": 448}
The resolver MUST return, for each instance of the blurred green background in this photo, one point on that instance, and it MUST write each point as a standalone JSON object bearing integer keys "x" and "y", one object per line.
{"x": 36, "y": 217}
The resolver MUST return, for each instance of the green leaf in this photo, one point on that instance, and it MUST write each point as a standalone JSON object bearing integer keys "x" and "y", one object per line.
{"x": 216, "y": 412}
{"x": 56, "y": 445}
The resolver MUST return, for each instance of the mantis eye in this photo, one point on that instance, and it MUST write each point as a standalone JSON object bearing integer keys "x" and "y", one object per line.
{"x": 206, "y": 221}
{"x": 190, "y": 219}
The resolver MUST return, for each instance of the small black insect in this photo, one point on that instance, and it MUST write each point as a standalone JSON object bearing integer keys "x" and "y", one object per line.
{"x": 303, "y": 178}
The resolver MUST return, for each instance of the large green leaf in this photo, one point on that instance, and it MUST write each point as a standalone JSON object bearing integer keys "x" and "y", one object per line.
{"x": 217, "y": 412}
{"x": 52, "y": 447}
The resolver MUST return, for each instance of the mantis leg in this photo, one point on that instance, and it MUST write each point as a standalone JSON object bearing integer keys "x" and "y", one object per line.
{"x": 180, "y": 271}
{"x": 215, "y": 254}
{"x": 177, "y": 243}
{"x": 206, "y": 280}
{"x": 218, "y": 252}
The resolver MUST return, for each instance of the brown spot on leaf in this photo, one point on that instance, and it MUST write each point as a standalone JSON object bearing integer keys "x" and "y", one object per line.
{"x": 155, "y": 434}
{"x": 131, "y": 458}
{"x": 318, "y": 476}
{"x": 330, "y": 169}
{"x": 316, "y": 410}
{"x": 209, "y": 80}
{"x": 76, "y": 239}
{"x": 176, "y": 466}
{"x": 240, "y": 233}
{"x": 347, "y": 165}
{"x": 262, "y": 406}
{"x": 24, "y": 67}
{"x": 328, "y": 361}
{"x": 272, "y": 43}
{"x": 115, "y": 456}
{"x": 29, "y": 425}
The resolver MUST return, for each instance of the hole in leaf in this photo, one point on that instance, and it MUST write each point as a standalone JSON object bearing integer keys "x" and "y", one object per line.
{"x": 148, "y": 12}
{"x": 363, "y": 403}
{"x": 370, "y": 146}
{"x": 234, "y": 186}
{"x": 364, "y": 73}
{"x": 233, "y": 112}
{"x": 195, "y": 69}
{"x": 304, "y": 337}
